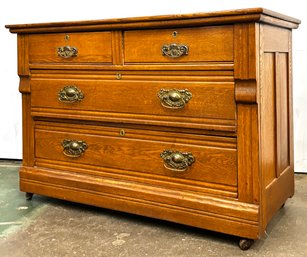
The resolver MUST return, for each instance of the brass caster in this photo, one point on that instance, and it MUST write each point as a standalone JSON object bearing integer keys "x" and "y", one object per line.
{"x": 245, "y": 243}
{"x": 29, "y": 196}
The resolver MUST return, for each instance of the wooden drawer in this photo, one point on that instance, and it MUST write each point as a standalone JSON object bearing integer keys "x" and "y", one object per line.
{"x": 140, "y": 100}
{"x": 204, "y": 44}
{"x": 209, "y": 159}
{"x": 94, "y": 47}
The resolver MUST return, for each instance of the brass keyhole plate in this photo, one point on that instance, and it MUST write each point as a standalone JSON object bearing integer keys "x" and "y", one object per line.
{"x": 122, "y": 132}
{"x": 175, "y": 33}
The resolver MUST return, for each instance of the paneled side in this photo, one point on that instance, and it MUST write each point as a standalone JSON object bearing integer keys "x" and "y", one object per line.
{"x": 282, "y": 115}
{"x": 275, "y": 39}
{"x": 268, "y": 125}
{"x": 275, "y": 105}
{"x": 275, "y": 121}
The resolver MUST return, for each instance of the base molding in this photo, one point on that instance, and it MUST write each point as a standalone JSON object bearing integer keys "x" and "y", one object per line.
{"x": 208, "y": 212}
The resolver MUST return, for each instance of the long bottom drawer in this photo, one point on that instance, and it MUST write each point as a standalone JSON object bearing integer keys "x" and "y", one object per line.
{"x": 158, "y": 155}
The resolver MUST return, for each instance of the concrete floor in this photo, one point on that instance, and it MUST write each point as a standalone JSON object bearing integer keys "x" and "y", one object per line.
{"x": 46, "y": 227}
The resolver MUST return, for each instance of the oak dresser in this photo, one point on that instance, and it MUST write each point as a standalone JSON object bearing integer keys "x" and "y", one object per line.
{"x": 186, "y": 118}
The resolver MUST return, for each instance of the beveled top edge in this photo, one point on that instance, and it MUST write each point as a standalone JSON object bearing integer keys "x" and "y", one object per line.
{"x": 254, "y": 13}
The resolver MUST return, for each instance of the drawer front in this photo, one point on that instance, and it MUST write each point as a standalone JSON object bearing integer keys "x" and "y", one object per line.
{"x": 154, "y": 99}
{"x": 94, "y": 47}
{"x": 202, "y": 44}
{"x": 157, "y": 155}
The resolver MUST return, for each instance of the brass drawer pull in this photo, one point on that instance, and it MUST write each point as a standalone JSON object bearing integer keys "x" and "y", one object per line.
{"x": 70, "y": 94}
{"x": 67, "y": 51}
{"x": 174, "y": 98}
{"x": 175, "y": 50}
{"x": 177, "y": 161}
{"x": 73, "y": 148}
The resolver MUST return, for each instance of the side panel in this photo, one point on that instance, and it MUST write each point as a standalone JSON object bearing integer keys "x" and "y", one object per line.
{"x": 275, "y": 119}
{"x": 268, "y": 124}
{"x": 282, "y": 114}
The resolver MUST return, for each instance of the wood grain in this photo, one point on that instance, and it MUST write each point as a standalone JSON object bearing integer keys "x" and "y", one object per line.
{"x": 179, "y": 20}
{"x": 117, "y": 50}
{"x": 277, "y": 43}
{"x": 282, "y": 115}
{"x": 248, "y": 190}
{"x": 205, "y": 44}
{"x": 276, "y": 120}
{"x": 268, "y": 113}
{"x": 23, "y": 55}
{"x": 182, "y": 67}
{"x": 201, "y": 187}
{"x": 246, "y": 69}
{"x": 27, "y": 133}
{"x": 92, "y": 48}
{"x": 232, "y": 215}
{"x": 209, "y": 99}
{"x": 245, "y": 50}
{"x": 217, "y": 165}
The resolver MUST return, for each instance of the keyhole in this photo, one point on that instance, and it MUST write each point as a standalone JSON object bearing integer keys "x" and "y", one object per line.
{"x": 122, "y": 132}
{"x": 175, "y": 33}
{"x": 118, "y": 76}
{"x": 66, "y": 37}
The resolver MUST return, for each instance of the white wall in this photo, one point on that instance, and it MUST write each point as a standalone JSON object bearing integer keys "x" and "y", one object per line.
{"x": 31, "y": 11}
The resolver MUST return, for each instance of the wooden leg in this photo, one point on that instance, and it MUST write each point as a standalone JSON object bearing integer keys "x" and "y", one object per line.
{"x": 245, "y": 243}
{"x": 29, "y": 196}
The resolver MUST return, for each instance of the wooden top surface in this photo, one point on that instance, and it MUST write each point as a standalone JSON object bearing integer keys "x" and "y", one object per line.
{"x": 179, "y": 20}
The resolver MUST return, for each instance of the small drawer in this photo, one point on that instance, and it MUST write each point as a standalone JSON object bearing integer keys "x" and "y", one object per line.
{"x": 94, "y": 47}
{"x": 180, "y": 45}
{"x": 160, "y": 155}
{"x": 167, "y": 102}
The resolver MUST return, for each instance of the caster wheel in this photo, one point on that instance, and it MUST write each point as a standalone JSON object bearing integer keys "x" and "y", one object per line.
{"x": 29, "y": 196}
{"x": 245, "y": 243}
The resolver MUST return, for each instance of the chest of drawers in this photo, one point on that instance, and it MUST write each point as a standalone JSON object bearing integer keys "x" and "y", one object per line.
{"x": 186, "y": 118}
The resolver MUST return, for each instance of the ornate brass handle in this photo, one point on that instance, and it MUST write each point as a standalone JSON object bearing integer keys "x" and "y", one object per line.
{"x": 175, "y": 50}
{"x": 174, "y": 98}
{"x": 177, "y": 161}
{"x": 70, "y": 94}
{"x": 73, "y": 148}
{"x": 67, "y": 51}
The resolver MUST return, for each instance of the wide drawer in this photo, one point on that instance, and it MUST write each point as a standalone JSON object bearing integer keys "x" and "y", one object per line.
{"x": 168, "y": 101}
{"x": 160, "y": 155}
{"x": 94, "y": 47}
{"x": 204, "y": 44}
